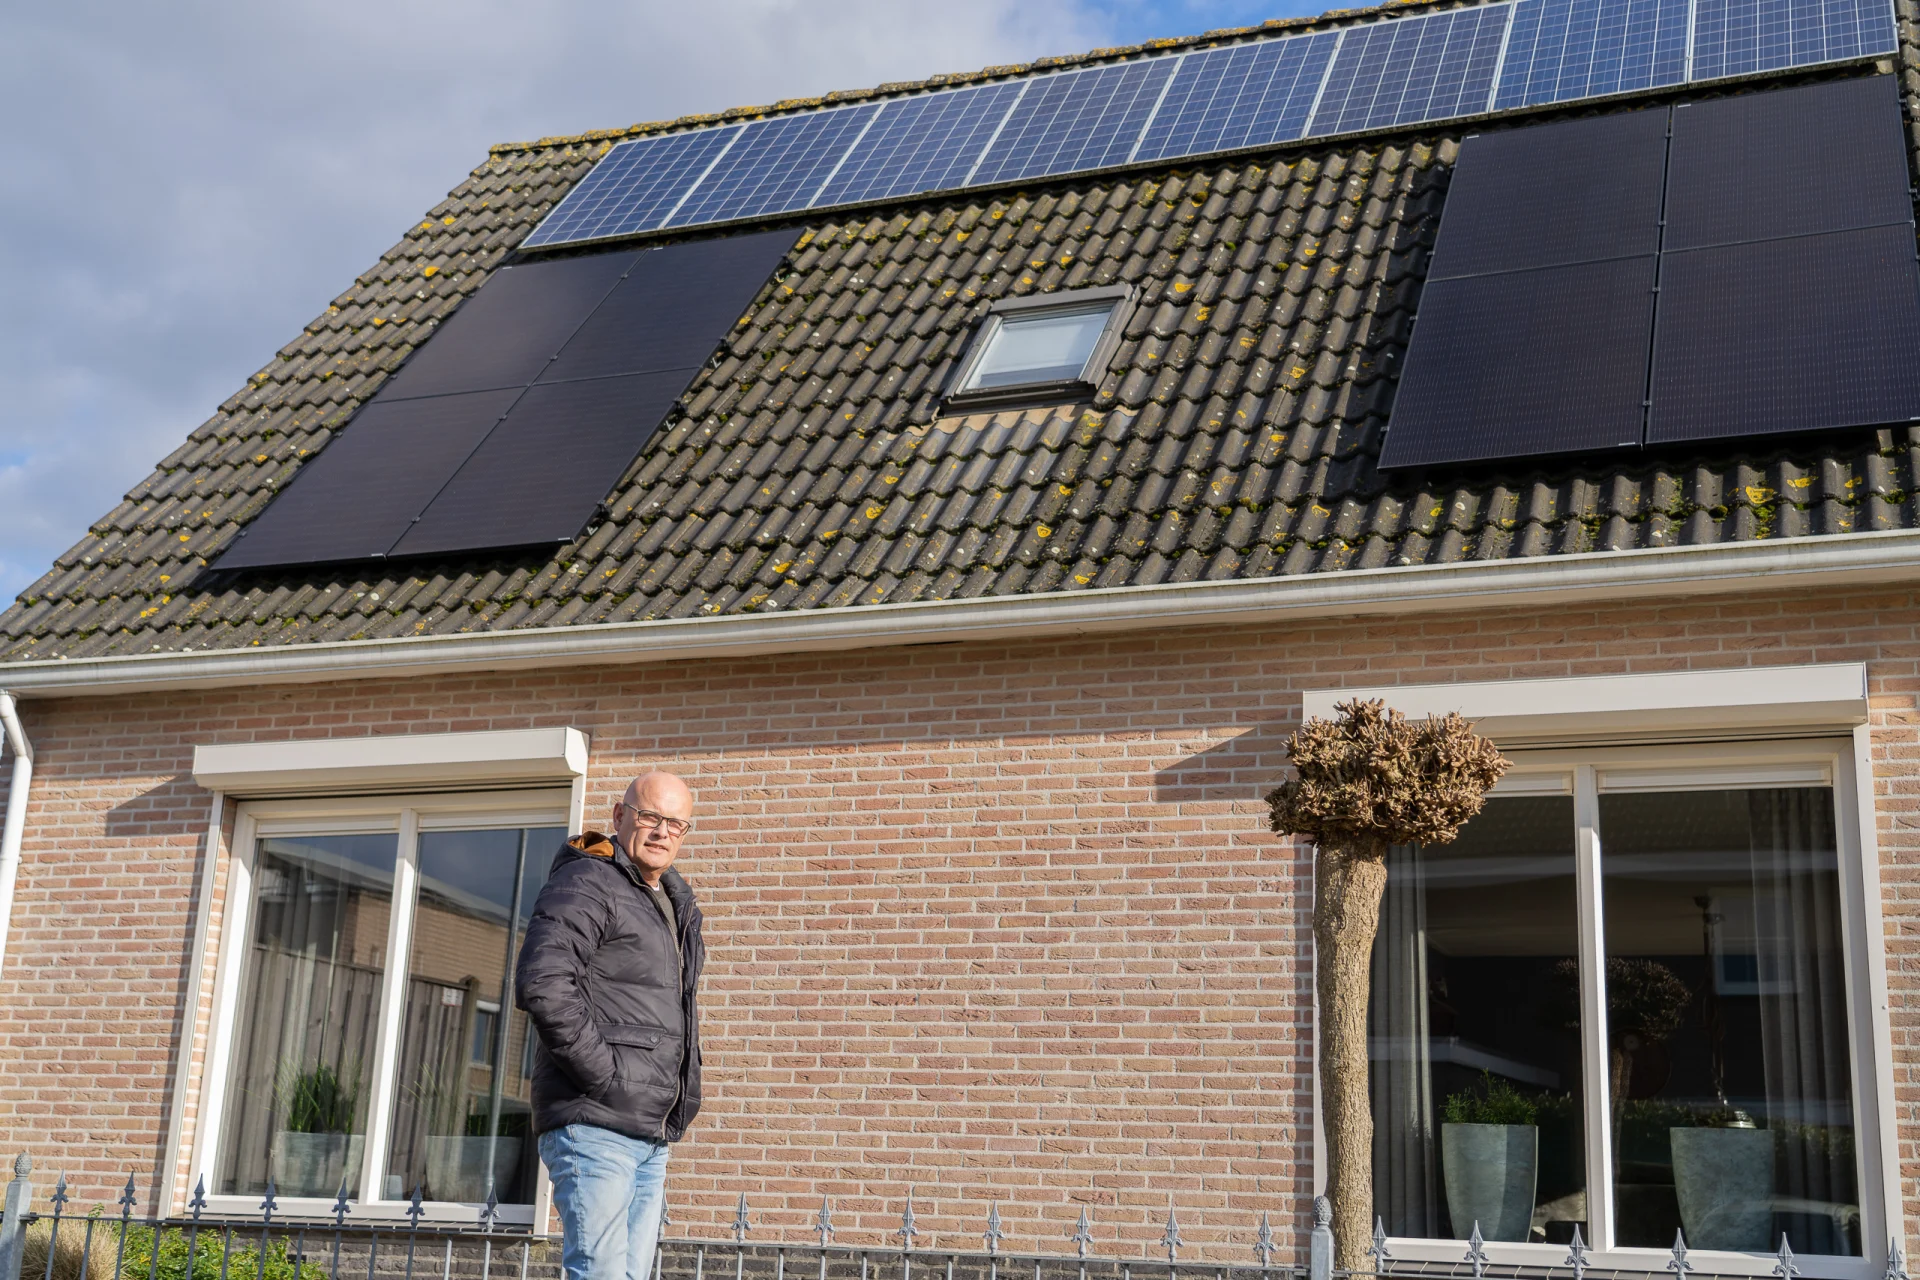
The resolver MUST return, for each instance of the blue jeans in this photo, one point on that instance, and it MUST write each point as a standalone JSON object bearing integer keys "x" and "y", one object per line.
{"x": 610, "y": 1191}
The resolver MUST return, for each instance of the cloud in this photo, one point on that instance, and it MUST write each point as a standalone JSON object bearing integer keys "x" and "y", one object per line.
{"x": 200, "y": 179}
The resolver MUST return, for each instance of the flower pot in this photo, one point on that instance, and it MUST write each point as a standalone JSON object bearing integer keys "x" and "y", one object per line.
{"x": 457, "y": 1167}
{"x": 1491, "y": 1170}
{"x": 316, "y": 1164}
{"x": 1724, "y": 1181}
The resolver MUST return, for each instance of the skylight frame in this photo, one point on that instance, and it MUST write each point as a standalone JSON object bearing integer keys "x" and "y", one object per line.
{"x": 1119, "y": 301}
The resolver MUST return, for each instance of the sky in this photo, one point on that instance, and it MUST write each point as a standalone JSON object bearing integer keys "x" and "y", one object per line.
{"x": 184, "y": 186}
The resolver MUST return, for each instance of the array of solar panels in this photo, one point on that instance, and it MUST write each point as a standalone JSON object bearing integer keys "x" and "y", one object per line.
{"x": 1398, "y": 71}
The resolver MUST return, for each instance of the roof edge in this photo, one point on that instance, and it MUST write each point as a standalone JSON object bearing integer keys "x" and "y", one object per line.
{"x": 1831, "y": 560}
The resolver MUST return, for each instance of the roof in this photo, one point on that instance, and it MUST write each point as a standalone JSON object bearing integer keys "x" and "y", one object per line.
{"x": 1233, "y": 438}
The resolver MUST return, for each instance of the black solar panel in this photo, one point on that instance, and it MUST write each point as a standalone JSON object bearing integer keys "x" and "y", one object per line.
{"x": 672, "y": 308}
{"x": 1823, "y": 157}
{"x": 357, "y": 498}
{"x": 425, "y": 474}
{"x": 542, "y": 472}
{"x": 1786, "y": 335}
{"x": 504, "y": 335}
{"x": 1524, "y": 363}
{"x": 1576, "y": 191}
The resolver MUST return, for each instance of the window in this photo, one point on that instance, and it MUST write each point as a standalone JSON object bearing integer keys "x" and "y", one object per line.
{"x": 1050, "y": 346}
{"x": 1627, "y": 999}
{"x": 368, "y": 1027}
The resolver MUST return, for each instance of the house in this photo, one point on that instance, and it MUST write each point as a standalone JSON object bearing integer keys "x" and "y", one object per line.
{"x": 968, "y": 486}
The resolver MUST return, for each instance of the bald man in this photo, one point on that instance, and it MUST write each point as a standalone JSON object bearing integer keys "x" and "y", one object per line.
{"x": 608, "y": 974}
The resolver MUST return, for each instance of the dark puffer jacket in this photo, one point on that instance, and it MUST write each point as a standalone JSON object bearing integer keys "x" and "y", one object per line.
{"x": 611, "y": 998}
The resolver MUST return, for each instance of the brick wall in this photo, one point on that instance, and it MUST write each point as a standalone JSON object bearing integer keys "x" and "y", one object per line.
{"x": 999, "y": 922}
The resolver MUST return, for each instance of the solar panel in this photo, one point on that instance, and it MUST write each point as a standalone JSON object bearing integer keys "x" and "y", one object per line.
{"x": 520, "y": 465}
{"x": 543, "y": 471}
{"x": 1822, "y": 157}
{"x": 1412, "y": 69}
{"x": 358, "y": 497}
{"x": 925, "y": 143}
{"x": 1371, "y": 75}
{"x": 776, "y": 165}
{"x": 505, "y": 334}
{"x": 1561, "y": 50}
{"x": 1524, "y": 363}
{"x": 633, "y": 188}
{"x": 1075, "y": 120}
{"x": 1244, "y": 95}
{"x": 1573, "y": 191}
{"x": 1795, "y": 334}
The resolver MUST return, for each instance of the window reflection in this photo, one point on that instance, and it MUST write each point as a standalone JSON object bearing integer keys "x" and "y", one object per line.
{"x": 1045, "y": 346}
{"x": 1474, "y": 1031}
{"x": 459, "y": 1126}
{"x": 309, "y": 1008}
{"x": 1727, "y": 1024}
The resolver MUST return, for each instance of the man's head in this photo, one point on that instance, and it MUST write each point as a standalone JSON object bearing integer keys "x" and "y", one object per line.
{"x": 651, "y": 819}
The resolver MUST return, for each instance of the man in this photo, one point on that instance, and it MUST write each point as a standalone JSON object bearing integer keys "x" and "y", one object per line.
{"x": 607, "y": 974}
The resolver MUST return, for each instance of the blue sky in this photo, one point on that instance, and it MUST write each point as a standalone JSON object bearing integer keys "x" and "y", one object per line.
{"x": 185, "y": 185}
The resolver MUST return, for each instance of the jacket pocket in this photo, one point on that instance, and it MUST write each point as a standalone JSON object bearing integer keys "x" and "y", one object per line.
{"x": 645, "y": 1059}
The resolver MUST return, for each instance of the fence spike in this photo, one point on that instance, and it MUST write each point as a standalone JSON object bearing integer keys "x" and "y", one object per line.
{"x": 415, "y": 1208}
{"x": 1263, "y": 1245}
{"x": 491, "y": 1209}
{"x": 994, "y": 1235}
{"x": 1786, "y": 1268}
{"x": 1382, "y": 1258}
{"x": 1679, "y": 1264}
{"x": 340, "y": 1209}
{"x": 823, "y": 1225}
{"x": 741, "y": 1223}
{"x": 199, "y": 1202}
{"x": 1170, "y": 1238}
{"x": 1082, "y": 1235}
{"x": 59, "y": 1195}
{"x": 1896, "y": 1263}
{"x": 127, "y": 1198}
{"x": 1577, "y": 1254}
{"x": 268, "y": 1205}
{"x": 1477, "y": 1251}
{"x": 907, "y": 1228}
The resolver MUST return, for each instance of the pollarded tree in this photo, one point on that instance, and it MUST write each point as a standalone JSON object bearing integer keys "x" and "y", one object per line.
{"x": 1366, "y": 781}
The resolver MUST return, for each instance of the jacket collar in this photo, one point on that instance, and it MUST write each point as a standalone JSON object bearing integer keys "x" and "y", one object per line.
{"x": 595, "y": 844}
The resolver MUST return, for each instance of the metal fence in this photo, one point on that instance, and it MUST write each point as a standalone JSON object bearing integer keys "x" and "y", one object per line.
{"x": 97, "y": 1246}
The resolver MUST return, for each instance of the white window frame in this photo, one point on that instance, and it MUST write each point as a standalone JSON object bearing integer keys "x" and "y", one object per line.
{"x": 1726, "y": 730}
{"x": 1118, "y": 300}
{"x": 406, "y": 817}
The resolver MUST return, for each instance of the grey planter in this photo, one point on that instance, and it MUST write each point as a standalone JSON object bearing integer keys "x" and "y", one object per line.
{"x": 1491, "y": 1171}
{"x": 315, "y": 1164}
{"x": 1724, "y": 1181}
{"x": 457, "y": 1167}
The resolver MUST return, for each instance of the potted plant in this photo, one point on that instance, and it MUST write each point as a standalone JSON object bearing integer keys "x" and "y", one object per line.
{"x": 1363, "y": 782}
{"x": 1723, "y": 1178}
{"x": 1490, "y": 1160}
{"x": 316, "y": 1152}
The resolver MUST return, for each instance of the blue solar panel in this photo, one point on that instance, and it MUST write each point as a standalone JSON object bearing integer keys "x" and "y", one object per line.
{"x": 1075, "y": 121}
{"x": 924, "y": 143}
{"x": 1396, "y": 71}
{"x": 1413, "y": 69}
{"x": 1245, "y": 95}
{"x": 1738, "y": 37}
{"x": 632, "y": 187}
{"x": 777, "y": 165}
{"x": 1566, "y": 49}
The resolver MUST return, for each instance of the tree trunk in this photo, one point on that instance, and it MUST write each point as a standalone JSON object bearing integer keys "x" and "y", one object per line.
{"x": 1348, "y": 883}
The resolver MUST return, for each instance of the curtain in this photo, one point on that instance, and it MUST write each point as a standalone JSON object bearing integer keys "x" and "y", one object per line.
{"x": 1803, "y": 1017}
{"x": 1401, "y": 1079}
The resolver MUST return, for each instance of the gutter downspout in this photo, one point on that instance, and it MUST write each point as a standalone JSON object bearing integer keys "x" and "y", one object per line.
{"x": 14, "y": 831}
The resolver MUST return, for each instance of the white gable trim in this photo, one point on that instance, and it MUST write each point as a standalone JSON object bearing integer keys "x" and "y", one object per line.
{"x": 402, "y": 762}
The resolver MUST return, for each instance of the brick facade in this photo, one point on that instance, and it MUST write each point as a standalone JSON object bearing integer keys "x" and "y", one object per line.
{"x": 996, "y": 922}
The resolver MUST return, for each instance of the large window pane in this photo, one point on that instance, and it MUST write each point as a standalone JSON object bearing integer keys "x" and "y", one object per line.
{"x": 462, "y": 1103}
{"x": 1474, "y": 1031}
{"x": 309, "y": 1005}
{"x": 1727, "y": 1024}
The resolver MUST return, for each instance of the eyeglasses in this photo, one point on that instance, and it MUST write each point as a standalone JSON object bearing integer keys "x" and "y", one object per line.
{"x": 648, "y": 820}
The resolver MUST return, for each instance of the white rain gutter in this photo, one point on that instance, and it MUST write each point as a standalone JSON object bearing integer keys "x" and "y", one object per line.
{"x": 15, "y": 827}
{"x": 1628, "y": 578}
